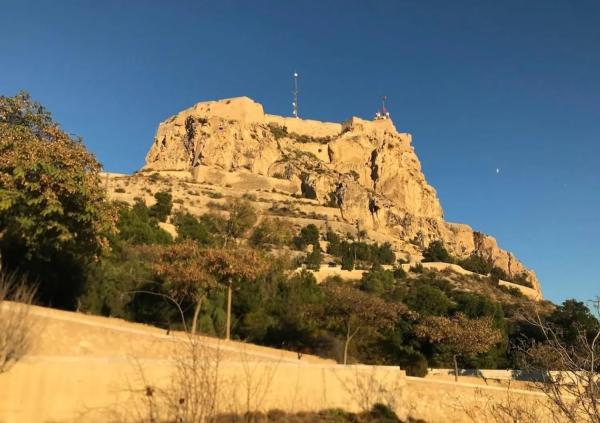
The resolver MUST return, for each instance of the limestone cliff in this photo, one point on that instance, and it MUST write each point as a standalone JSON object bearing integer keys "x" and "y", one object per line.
{"x": 365, "y": 168}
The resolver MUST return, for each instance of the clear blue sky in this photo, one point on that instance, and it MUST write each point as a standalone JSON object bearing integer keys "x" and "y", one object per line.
{"x": 481, "y": 85}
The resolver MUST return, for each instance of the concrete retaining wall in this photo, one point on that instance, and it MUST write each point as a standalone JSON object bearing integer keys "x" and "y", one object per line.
{"x": 75, "y": 389}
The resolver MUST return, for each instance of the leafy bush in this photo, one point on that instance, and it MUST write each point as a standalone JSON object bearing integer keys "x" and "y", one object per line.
{"x": 511, "y": 290}
{"x": 216, "y": 205}
{"x": 498, "y": 274}
{"x": 476, "y": 263}
{"x": 313, "y": 259}
{"x": 417, "y": 268}
{"x": 361, "y": 251}
{"x": 309, "y": 235}
{"x": 347, "y": 260}
{"x": 271, "y": 232}
{"x": 521, "y": 279}
{"x": 137, "y": 226}
{"x": 278, "y": 131}
{"x": 162, "y": 209}
{"x": 54, "y": 217}
{"x": 377, "y": 280}
{"x": 213, "y": 194}
{"x": 399, "y": 273}
{"x": 189, "y": 227}
{"x": 248, "y": 196}
{"x": 435, "y": 252}
{"x": 416, "y": 365}
{"x": 428, "y": 300}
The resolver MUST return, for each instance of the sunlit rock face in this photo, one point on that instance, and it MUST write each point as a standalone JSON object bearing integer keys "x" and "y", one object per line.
{"x": 365, "y": 168}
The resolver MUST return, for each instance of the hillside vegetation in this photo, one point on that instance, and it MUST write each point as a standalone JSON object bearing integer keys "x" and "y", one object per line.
{"x": 229, "y": 261}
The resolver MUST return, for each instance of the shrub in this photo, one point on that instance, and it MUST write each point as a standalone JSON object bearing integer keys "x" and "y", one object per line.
{"x": 313, "y": 259}
{"x": 521, "y": 279}
{"x": 347, "y": 260}
{"x": 383, "y": 413}
{"x": 399, "y": 273}
{"x": 135, "y": 225}
{"x": 278, "y": 131}
{"x": 189, "y": 227}
{"x": 120, "y": 190}
{"x": 436, "y": 251}
{"x": 377, "y": 280}
{"x": 271, "y": 232}
{"x": 163, "y": 206}
{"x": 476, "y": 263}
{"x": 213, "y": 194}
{"x": 417, "y": 268}
{"x": 416, "y": 365}
{"x": 248, "y": 196}
{"x": 511, "y": 290}
{"x": 498, "y": 274}
{"x": 216, "y": 206}
{"x": 309, "y": 235}
{"x": 428, "y": 300}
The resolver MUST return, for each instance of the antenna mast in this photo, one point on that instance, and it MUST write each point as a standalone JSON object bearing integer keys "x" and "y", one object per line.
{"x": 295, "y": 94}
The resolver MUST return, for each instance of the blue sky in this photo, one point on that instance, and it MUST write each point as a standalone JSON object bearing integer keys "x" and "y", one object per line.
{"x": 481, "y": 85}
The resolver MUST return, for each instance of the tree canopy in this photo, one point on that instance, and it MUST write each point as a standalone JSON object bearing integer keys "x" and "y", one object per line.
{"x": 52, "y": 201}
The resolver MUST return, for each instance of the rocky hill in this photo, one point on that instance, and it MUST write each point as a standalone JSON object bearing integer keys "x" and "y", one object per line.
{"x": 360, "y": 173}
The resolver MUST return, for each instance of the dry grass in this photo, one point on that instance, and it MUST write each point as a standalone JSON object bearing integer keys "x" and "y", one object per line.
{"x": 15, "y": 322}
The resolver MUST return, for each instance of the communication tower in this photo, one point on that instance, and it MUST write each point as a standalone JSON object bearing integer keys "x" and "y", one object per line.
{"x": 295, "y": 94}
{"x": 383, "y": 112}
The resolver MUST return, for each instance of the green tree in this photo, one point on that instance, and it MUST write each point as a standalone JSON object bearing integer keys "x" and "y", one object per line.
{"x": 498, "y": 274}
{"x": 54, "y": 216}
{"x": 271, "y": 232}
{"x": 476, "y": 263}
{"x": 334, "y": 243}
{"x": 428, "y": 300}
{"x": 310, "y": 234}
{"x": 135, "y": 226}
{"x": 110, "y": 280}
{"x": 461, "y": 335}
{"x": 436, "y": 251}
{"x": 572, "y": 319}
{"x": 184, "y": 268}
{"x": 242, "y": 217}
{"x": 349, "y": 310}
{"x": 347, "y": 260}
{"x": 313, "y": 259}
{"x": 377, "y": 280}
{"x": 190, "y": 228}
{"x": 231, "y": 267}
{"x": 299, "y": 307}
{"x": 383, "y": 254}
{"x": 162, "y": 208}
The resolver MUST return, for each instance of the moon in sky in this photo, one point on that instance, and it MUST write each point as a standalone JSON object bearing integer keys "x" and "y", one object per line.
{"x": 497, "y": 170}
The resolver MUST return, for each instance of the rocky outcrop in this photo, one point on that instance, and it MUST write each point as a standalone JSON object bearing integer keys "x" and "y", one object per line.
{"x": 366, "y": 168}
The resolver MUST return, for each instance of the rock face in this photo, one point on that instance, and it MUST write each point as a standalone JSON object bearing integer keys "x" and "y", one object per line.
{"x": 365, "y": 168}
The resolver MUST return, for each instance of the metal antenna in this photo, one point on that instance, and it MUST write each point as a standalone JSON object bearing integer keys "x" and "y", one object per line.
{"x": 295, "y": 93}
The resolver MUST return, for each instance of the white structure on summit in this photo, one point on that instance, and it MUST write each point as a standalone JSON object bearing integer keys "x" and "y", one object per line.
{"x": 383, "y": 112}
